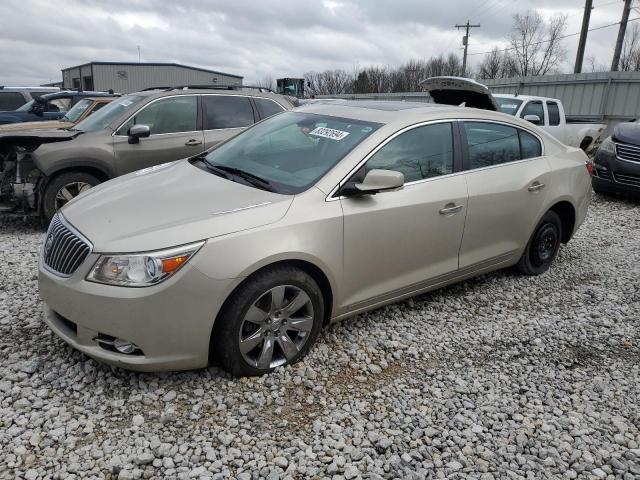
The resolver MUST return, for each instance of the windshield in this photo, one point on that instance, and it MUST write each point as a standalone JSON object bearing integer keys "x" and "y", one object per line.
{"x": 508, "y": 105}
{"x": 108, "y": 114}
{"x": 77, "y": 110}
{"x": 26, "y": 107}
{"x": 291, "y": 151}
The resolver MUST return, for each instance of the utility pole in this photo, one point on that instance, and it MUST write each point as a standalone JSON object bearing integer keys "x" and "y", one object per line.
{"x": 465, "y": 42}
{"x": 588, "y": 6}
{"x": 621, "y": 32}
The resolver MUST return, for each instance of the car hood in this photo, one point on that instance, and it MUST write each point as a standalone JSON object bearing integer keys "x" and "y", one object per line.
{"x": 169, "y": 205}
{"x": 32, "y": 139}
{"x": 627, "y": 133}
{"x": 46, "y": 125}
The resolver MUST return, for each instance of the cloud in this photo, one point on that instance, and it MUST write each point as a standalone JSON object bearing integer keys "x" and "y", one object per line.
{"x": 259, "y": 39}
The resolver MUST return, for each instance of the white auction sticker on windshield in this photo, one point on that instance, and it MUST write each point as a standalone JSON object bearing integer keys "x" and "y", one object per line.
{"x": 126, "y": 103}
{"x": 328, "y": 133}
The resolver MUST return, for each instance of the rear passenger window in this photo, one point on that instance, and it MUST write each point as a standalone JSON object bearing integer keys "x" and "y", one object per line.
{"x": 266, "y": 107}
{"x": 554, "y": 113}
{"x": 422, "y": 152}
{"x": 227, "y": 111}
{"x": 529, "y": 145}
{"x": 11, "y": 100}
{"x": 491, "y": 144}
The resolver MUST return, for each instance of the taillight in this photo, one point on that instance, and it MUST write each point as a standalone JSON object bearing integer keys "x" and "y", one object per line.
{"x": 589, "y": 166}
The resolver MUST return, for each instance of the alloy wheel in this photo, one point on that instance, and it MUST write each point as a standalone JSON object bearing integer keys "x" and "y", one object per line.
{"x": 69, "y": 191}
{"x": 276, "y": 327}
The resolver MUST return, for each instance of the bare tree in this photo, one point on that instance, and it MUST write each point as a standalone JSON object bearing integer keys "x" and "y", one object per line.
{"x": 498, "y": 64}
{"x": 630, "y": 56}
{"x": 329, "y": 82}
{"x": 536, "y": 44}
{"x": 266, "y": 82}
{"x": 594, "y": 66}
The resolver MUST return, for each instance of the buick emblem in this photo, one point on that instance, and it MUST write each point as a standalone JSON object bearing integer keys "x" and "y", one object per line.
{"x": 48, "y": 244}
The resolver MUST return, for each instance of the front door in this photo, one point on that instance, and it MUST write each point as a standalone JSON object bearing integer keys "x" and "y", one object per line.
{"x": 508, "y": 179}
{"x": 175, "y": 134}
{"x": 395, "y": 242}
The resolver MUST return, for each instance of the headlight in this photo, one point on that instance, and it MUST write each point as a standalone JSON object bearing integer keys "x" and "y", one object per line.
{"x": 141, "y": 269}
{"x": 607, "y": 146}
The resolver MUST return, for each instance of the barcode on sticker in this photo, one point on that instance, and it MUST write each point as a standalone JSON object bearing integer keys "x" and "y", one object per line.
{"x": 328, "y": 133}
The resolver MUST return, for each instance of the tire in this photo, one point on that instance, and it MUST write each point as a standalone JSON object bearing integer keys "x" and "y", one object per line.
{"x": 74, "y": 182}
{"x": 543, "y": 246}
{"x": 258, "y": 298}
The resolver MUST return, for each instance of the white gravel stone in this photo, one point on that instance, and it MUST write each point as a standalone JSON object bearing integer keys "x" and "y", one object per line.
{"x": 501, "y": 376}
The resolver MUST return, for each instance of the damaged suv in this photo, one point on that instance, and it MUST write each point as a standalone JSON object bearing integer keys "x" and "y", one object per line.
{"x": 40, "y": 171}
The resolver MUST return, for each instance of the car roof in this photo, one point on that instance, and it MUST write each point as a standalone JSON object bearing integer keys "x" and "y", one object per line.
{"x": 404, "y": 113}
{"x": 523, "y": 97}
{"x": 250, "y": 92}
{"x": 73, "y": 93}
{"x": 28, "y": 89}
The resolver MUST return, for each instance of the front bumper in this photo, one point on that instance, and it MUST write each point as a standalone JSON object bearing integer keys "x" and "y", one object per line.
{"x": 616, "y": 175}
{"x": 171, "y": 322}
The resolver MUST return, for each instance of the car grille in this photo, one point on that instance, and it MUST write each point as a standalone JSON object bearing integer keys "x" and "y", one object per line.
{"x": 64, "y": 249}
{"x": 632, "y": 180}
{"x": 630, "y": 153}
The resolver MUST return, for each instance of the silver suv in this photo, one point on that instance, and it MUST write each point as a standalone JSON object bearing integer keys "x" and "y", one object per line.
{"x": 14, "y": 97}
{"x": 41, "y": 171}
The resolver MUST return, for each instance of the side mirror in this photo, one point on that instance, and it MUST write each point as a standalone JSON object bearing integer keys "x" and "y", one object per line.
{"x": 535, "y": 119}
{"x": 38, "y": 107}
{"x": 137, "y": 132}
{"x": 375, "y": 181}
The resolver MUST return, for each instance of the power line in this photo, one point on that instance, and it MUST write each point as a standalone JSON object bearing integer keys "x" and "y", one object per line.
{"x": 559, "y": 38}
{"x": 608, "y": 3}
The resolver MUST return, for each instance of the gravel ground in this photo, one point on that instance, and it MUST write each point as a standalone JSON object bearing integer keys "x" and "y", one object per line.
{"x": 498, "y": 377}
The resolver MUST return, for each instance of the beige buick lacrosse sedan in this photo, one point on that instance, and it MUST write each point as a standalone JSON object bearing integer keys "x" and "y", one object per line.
{"x": 241, "y": 255}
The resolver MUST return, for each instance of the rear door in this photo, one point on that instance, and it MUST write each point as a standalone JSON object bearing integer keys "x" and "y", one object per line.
{"x": 395, "y": 242}
{"x": 175, "y": 134}
{"x": 508, "y": 178}
{"x": 225, "y": 116}
{"x": 554, "y": 120}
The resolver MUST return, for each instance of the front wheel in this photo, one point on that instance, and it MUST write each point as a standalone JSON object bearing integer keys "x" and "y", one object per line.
{"x": 269, "y": 321}
{"x": 64, "y": 188}
{"x": 543, "y": 246}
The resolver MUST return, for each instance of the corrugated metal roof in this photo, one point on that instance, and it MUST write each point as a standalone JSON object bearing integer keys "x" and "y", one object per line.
{"x": 153, "y": 64}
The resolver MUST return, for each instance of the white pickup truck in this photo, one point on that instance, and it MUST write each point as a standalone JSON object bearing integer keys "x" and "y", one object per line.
{"x": 548, "y": 114}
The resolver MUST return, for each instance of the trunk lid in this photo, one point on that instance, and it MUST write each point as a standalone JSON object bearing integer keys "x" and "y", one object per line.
{"x": 458, "y": 90}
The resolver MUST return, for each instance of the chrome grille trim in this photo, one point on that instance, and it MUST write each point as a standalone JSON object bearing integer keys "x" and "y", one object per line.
{"x": 65, "y": 248}
{"x": 629, "y": 153}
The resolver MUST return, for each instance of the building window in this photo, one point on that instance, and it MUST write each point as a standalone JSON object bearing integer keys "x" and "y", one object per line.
{"x": 75, "y": 83}
{"x": 88, "y": 82}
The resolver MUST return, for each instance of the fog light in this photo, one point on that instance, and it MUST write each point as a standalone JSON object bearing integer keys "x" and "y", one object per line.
{"x": 124, "y": 346}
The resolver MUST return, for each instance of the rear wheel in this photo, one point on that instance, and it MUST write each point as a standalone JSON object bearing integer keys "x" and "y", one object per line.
{"x": 543, "y": 246}
{"x": 64, "y": 188}
{"x": 269, "y": 321}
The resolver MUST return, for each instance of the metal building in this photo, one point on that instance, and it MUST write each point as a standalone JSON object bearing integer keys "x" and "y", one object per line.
{"x": 132, "y": 77}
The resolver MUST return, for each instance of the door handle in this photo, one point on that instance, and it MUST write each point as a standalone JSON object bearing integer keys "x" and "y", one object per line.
{"x": 450, "y": 209}
{"x": 193, "y": 142}
{"x": 536, "y": 187}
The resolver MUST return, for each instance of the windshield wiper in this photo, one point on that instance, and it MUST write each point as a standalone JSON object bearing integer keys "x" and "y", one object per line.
{"x": 252, "y": 178}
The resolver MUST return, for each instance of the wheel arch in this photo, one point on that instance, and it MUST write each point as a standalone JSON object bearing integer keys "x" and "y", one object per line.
{"x": 97, "y": 172}
{"x": 313, "y": 270}
{"x": 567, "y": 213}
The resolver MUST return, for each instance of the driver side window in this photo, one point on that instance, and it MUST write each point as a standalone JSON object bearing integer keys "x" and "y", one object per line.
{"x": 420, "y": 153}
{"x": 168, "y": 115}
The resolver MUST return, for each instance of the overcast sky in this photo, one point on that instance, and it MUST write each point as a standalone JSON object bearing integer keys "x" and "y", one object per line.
{"x": 275, "y": 38}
